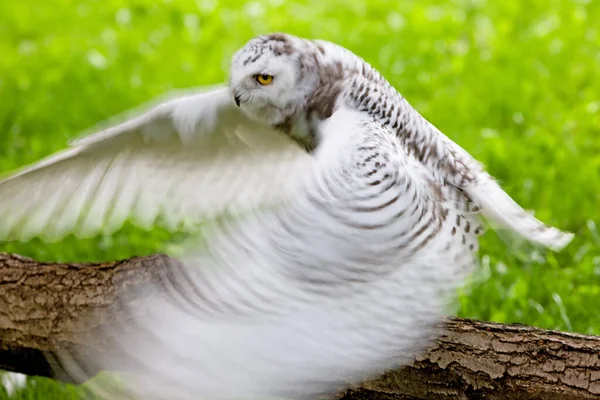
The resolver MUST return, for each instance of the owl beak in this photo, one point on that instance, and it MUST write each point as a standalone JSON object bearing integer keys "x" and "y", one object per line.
{"x": 237, "y": 99}
{"x": 236, "y": 96}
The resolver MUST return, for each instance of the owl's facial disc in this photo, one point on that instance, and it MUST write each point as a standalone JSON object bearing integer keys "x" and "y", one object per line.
{"x": 266, "y": 80}
{"x": 265, "y": 88}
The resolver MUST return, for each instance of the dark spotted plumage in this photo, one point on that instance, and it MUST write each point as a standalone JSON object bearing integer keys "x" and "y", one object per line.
{"x": 357, "y": 85}
{"x": 344, "y": 279}
{"x": 344, "y": 80}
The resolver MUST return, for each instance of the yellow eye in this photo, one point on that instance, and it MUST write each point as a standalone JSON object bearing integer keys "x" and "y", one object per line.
{"x": 264, "y": 79}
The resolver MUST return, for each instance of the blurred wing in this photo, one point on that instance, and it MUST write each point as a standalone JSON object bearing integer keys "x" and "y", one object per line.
{"x": 499, "y": 208}
{"x": 175, "y": 165}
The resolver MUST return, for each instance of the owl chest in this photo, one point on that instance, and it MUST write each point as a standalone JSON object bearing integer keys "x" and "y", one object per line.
{"x": 360, "y": 223}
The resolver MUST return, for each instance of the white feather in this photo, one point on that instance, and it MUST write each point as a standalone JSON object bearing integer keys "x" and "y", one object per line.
{"x": 498, "y": 207}
{"x": 246, "y": 317}
{"x": 185, "y": 160}
{"x": 290, "y": 301}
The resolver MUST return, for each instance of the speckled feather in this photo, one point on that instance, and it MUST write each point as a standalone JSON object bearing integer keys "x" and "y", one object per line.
{"x": 350, "y": 256}
{"x": 347, "y": 80}
{"x": 346, "y": 281}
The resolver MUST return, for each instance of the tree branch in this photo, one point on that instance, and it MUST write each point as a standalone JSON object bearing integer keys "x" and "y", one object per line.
{"x": 46, "y": 308}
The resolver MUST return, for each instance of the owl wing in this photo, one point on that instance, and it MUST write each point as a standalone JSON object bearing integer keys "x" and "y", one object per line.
{"x": 496, "y": 205}
{"x": 185, "y": 159}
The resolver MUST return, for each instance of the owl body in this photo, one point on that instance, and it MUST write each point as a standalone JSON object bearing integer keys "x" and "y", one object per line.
{"x": 347, "y": 222}
{"x": 349, "y": 81}
{"x": 346, "y": 281}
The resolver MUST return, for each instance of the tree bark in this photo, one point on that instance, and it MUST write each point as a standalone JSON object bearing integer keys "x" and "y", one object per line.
{"x": 47, "y": 308}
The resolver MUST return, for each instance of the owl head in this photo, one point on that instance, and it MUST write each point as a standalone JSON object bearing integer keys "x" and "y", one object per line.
{"x": 273, "y": 76}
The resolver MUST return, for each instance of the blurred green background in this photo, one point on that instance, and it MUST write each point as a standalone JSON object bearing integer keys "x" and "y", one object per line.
{"x": 515, "y": 83}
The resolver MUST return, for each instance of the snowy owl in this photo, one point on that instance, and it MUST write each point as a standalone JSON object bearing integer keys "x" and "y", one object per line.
{"x": 350, "y": 220}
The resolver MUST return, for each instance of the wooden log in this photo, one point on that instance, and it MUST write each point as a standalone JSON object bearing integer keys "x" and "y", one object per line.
{"x": 48, "y": 308}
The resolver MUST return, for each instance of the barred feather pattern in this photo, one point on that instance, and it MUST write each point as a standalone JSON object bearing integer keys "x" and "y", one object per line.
{"x": 362, "y": 88}
{"x": 366, "y": 90}
{"x": 347, "y": 281}
{"x": 347, "y": 278}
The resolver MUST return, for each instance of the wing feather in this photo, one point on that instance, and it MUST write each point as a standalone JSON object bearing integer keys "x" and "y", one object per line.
{"x": 183, "y": 161}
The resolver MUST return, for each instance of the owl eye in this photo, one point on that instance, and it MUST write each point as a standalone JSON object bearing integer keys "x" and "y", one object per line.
{"x": 264, "y": 79}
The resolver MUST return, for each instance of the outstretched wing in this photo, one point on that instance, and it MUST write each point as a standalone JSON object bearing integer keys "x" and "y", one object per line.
{"x": 184, "y": 160}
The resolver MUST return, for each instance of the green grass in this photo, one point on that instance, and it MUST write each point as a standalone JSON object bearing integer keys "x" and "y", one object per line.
{"x": 43, "y": 389}
{"x": 515, "y": 83}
